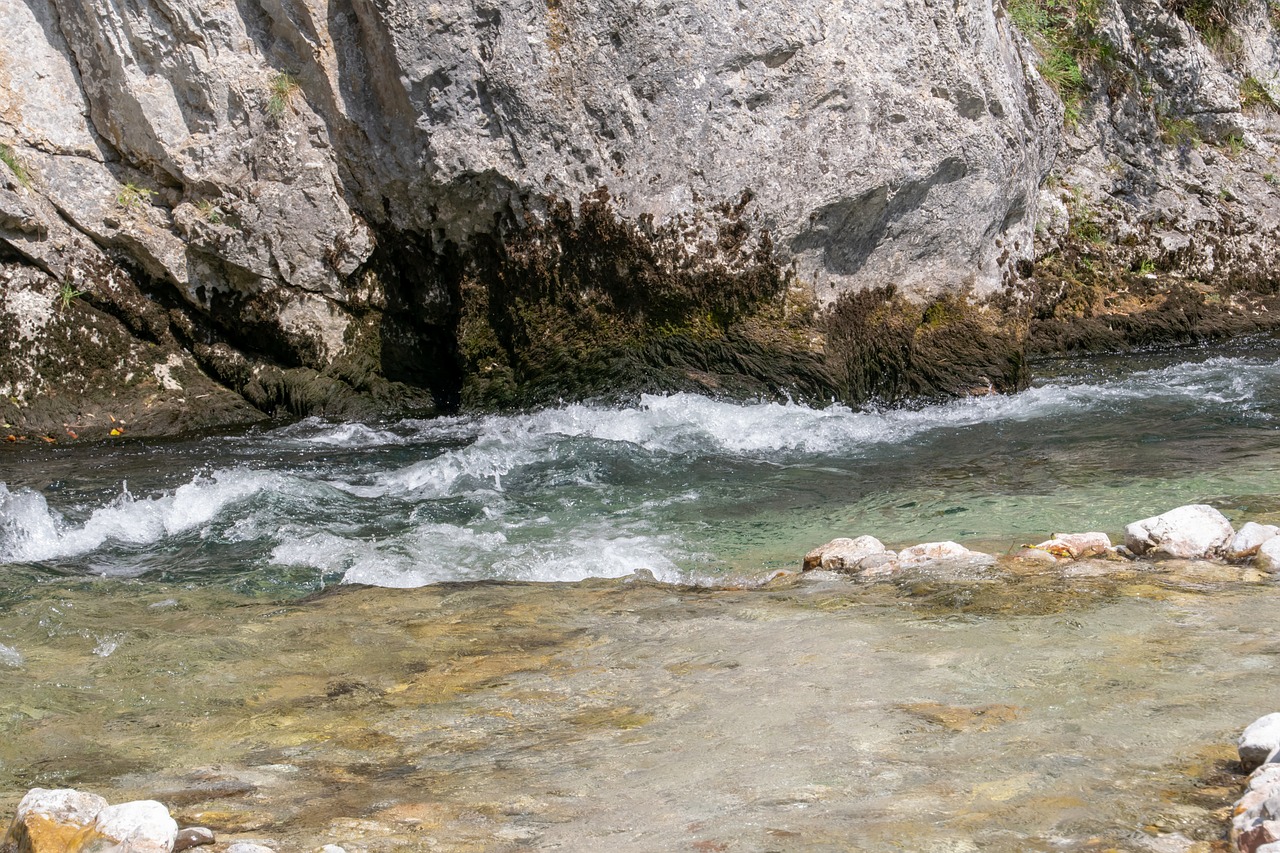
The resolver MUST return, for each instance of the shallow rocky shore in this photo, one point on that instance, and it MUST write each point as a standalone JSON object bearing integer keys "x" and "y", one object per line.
{"x": 1255, "y": 822}
{"x": 65, "y": 820}
{"x": 1195, "y": 532}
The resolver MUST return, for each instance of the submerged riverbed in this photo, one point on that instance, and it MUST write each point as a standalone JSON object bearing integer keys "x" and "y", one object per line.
{"x": 185, "y": 620}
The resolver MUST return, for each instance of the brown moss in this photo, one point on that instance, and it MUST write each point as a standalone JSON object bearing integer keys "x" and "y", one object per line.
{"x": 1092, "y": 304}
{"x": 588, "y": 304}
{"x": 885, "y": 347}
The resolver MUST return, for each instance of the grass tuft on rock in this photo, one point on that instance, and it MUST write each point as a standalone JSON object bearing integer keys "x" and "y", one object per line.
{"x": 1063, "y": 33}
{"x": 10, "y": 158}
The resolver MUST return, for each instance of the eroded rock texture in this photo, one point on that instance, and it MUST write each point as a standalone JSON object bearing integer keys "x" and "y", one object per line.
{"x": 211, "y": 211}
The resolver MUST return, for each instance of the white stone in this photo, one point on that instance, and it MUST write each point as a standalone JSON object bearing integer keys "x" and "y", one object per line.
{"x": 1259, "y": 740}
{"x": 64, "y": 806}
{"x": 928, "y": 553}
{"x": 248, "y": 847}
{"x": 1188, "y": 532}
{"x": 846, "y": 554}
{"x": 142, "y": 826}
{"x": 878, "y": 565}
{"x": 1268, "y": 557}
{"x": 1077, "y": 546}
{"x": 1245, "y": 543}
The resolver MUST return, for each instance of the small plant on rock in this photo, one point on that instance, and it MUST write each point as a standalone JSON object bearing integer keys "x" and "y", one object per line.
{"x": 1064, "y": 35}
{"x": 132, "y": 196}
{"x": 68, "y": 294}
{"x": 283, "y": 89}
{"x": 1179, "y": 132}
{"x": 1212, "y": 20}
{"x": 1254, "y": 94}
{"x": 10, "y": 159}
{"x": 210, "y": 211}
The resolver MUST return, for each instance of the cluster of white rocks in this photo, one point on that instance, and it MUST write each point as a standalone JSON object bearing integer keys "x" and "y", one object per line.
{"x": 1255, "y": 822}
{"x": 1193, "y": 532}
{"x": 68, "y": 821}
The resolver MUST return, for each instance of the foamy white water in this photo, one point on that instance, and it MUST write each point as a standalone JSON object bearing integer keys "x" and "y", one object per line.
{"x": 685, "y": 486}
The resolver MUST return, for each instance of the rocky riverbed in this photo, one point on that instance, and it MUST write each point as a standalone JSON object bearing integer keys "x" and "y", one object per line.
{"x": 1002, "y": 704}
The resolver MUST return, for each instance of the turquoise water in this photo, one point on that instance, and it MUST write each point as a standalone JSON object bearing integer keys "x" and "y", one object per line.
{"x": 159, "y": 636}
{"x": 693, "y": 489}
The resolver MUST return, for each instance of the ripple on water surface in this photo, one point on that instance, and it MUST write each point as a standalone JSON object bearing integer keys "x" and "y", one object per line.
{"x": 691, "y": 488}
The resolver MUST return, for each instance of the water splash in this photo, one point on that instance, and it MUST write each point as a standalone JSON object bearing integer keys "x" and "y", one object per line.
{"x": 668, "y": 484}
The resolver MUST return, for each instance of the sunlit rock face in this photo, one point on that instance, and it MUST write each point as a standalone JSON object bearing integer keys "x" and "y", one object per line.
{"x": 305, "y": 189}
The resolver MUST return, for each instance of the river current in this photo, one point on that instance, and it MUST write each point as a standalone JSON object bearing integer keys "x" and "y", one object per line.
{"x": 431, "y": 634}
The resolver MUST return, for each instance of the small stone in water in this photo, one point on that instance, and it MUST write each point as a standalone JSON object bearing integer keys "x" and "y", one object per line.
{"x": 1268, "y": 556}
{"x": 248, "y": 847}
{"x": 940, "y": 552}
{"x": 1077, "y": 546}
{"x": 1259, "y": 740}
{"x": 10, "y": 656}
{"x": 143, "y": 826}
{"x": 193, "y": 836}
{"x": 1245, "y": 543}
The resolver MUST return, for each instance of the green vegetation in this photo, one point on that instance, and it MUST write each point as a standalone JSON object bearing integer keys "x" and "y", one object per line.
{"x": 10, "y": 159}
{"x": 132, "y": 196}
{"x": 68, "y": 294}
{"x": 283, "y": 89}
{"x": 210, "y": 211}
{"x": 1179, "y": 132}
{"x": 1063, "y": 34}
{"x": 1212, "y": 20}
{"x": 1145, "y": 267}
{"x": 1082, "y": 227}
{"x": 1254, "y": 94}
{"x": 1233, "y": 146}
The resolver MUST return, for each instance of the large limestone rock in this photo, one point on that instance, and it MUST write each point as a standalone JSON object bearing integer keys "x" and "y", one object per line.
{"x": 302, "y": 185}
{"x": 843, "y": 554}
{"x": 1188, "y": 532}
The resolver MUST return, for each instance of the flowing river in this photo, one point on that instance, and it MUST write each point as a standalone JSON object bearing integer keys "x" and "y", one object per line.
{"x": 558, "y": 630}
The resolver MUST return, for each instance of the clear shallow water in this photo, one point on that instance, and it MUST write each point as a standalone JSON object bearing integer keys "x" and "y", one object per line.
{"x": 156, "y": 638}
{"x": 693, "y": 489}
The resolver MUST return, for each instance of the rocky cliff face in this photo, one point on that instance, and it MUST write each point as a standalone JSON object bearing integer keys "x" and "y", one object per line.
{"x": 1161, "y": 220}
{"x": 211, "y": 211}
